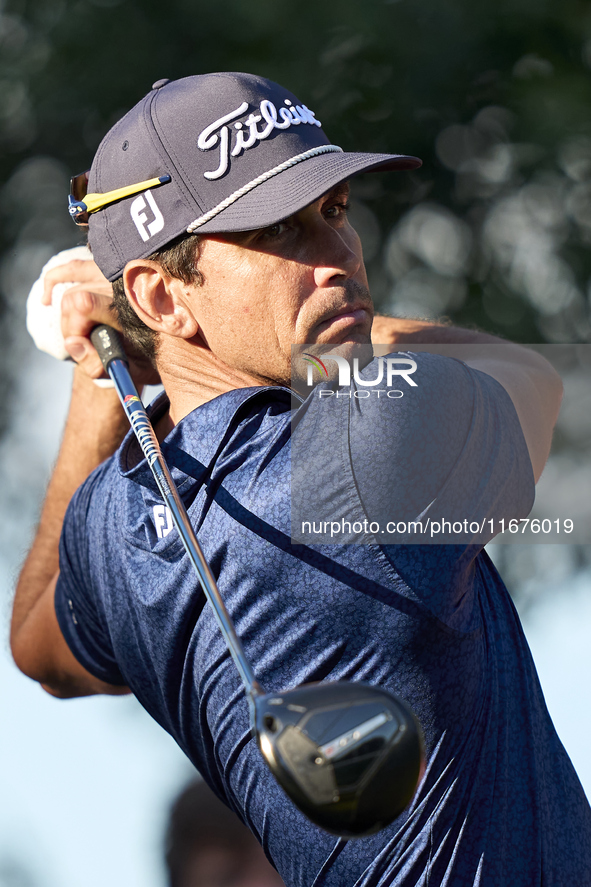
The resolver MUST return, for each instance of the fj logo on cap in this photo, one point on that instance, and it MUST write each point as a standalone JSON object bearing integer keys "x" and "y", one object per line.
{"x": 145, "y": 228}
{"x": 247, "y": 134}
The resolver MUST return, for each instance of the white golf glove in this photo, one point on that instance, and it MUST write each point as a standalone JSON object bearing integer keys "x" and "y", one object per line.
{"x": 44, "y": 321}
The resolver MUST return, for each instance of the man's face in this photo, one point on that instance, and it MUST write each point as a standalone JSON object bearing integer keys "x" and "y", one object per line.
{"x": 300, "y": 281}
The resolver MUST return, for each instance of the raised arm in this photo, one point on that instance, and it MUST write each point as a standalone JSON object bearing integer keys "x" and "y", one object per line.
{"x": 530, "y": 381}
{"x": 95, "y": 427}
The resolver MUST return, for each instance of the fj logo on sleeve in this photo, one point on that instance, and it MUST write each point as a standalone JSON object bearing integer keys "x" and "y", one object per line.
{"x": 146, "y": 228}
{"x": 162, "y": 520}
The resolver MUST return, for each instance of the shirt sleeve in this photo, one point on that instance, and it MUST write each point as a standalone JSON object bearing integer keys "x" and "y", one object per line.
{"x": 79, "y": 612}
{"x": 425, "y": 472}
{"x": 445, "y": 463}
{"x": 453, "y": 466}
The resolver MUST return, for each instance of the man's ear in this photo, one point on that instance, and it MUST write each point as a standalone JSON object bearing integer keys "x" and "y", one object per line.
{"x": 158, "y": 299}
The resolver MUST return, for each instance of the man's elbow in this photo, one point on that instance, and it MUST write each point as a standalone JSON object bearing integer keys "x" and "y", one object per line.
{"x": 22, "y": 655}
{"x": 61, "y": 685}
{"x": 40, "y": 651}
{"x": 56, "y": 681}
{"x": 545, "y": 401}
{"x": 28, "y": 662}
{"x": 67, "y": 690}
{"x": 556, "y": 389}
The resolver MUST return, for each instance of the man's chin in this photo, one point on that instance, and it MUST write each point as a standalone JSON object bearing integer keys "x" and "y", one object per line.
{"x": 320, "y": 361}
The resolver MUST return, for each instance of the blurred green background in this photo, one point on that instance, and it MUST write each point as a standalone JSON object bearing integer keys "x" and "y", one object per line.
{"x": 493, "y": 231}
{"x": 494, "y": 96}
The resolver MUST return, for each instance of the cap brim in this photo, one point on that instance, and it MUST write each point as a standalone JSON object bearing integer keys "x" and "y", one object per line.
{"x": 294, "y": 188}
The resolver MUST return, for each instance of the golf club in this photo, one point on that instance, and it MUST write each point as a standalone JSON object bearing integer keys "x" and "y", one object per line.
{"x": 349, "y": 755}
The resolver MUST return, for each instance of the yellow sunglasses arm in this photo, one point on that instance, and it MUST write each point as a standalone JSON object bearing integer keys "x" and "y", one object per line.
{"x": 95, "y": 202}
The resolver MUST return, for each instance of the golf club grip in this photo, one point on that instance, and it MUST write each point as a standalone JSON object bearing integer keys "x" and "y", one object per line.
{"x": 114, "y": 360}
{"x": 108, "y": 344}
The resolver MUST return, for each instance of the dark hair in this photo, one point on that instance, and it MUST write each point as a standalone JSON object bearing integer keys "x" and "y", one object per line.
{"x": 178, "y": 259}
{"x": 199, "y": 822}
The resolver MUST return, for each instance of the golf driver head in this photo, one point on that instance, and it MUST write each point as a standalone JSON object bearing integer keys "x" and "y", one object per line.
{"x": 349, "y": 755}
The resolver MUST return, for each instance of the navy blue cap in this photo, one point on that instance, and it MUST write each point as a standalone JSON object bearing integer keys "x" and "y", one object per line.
{"x": 241, "y": 151}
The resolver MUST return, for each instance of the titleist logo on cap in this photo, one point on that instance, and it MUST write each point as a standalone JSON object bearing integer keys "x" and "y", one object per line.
{"x": 218, "y": 132}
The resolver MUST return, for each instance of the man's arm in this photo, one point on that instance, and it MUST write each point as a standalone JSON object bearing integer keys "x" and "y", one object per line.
{"x": 530, "y": 381}
{"x": 95, "y": 427}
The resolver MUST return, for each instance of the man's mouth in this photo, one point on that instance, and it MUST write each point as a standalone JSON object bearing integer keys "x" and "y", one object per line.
{"x": 351, "y": 313}
{"x": 344, "y": 319}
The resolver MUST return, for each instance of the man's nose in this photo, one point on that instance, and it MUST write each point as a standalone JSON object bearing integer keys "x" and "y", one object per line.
{"x": 338, "y": 255}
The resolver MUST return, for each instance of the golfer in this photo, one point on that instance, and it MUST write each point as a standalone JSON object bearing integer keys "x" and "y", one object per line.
{"x": 217, "y": 213}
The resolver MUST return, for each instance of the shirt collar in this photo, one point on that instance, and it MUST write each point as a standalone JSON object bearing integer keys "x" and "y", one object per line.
{"x": 193, "y": 443}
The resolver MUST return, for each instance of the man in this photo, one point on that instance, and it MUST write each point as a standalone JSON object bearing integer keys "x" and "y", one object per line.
{"x": 239, "y": 161}
{"x": 207, "y": 845}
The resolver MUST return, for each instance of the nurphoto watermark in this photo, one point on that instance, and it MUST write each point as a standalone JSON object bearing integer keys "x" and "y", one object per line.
{"x": 424, "y": 446}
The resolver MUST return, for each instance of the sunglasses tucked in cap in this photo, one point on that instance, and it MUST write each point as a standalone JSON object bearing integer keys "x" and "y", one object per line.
{"x": 211, "y": 153}
{"x": 81, "y": 204}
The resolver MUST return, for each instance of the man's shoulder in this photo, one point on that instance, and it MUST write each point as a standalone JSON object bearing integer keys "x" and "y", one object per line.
{"x": 402, "y": 394}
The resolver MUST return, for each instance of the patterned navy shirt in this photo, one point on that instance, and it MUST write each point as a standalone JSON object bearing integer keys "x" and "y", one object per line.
{"x": 500, "y": 803}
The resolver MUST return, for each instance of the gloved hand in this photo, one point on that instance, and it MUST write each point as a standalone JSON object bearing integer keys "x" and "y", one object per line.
{"x": 44, "y": 319}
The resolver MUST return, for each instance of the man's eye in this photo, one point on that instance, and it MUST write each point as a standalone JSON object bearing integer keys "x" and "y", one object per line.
{"x": 337, "y": 209}
{"x": 274, "y": 230}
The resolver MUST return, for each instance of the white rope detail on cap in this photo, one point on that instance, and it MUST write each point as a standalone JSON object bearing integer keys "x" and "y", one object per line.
{"x": 313, "y": 152}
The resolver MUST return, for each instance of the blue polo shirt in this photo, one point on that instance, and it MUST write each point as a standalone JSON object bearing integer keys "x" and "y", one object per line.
{"x": 500, "y": 803}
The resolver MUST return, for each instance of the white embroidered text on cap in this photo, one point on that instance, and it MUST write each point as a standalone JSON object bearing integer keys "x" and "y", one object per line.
{"x": 219, "y": 133}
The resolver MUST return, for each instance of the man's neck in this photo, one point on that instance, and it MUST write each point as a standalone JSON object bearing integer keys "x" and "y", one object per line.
{"x": 192, "y": 376}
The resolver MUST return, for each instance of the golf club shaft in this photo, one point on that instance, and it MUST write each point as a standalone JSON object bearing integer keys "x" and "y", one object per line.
{"x": 108, "y": 344}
